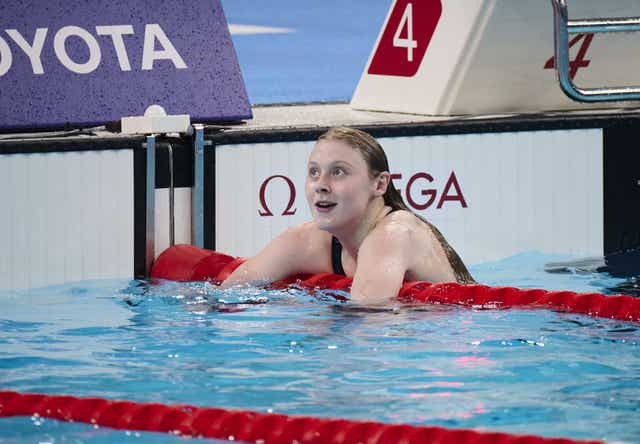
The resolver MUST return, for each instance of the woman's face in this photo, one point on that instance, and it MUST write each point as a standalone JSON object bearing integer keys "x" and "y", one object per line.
{"x": 338, "y": 186}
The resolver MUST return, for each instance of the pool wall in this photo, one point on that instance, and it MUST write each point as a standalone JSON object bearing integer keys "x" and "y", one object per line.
{"x": 492, "y": 195}
{"x": 75, "y": 206}
{"x": 496, "y": 186}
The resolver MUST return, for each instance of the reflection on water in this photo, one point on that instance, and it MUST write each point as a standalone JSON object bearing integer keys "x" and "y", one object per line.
{"x": 630, "y": 286}
{"x": 558, "y": 272}
{"x": 618, "y": 273}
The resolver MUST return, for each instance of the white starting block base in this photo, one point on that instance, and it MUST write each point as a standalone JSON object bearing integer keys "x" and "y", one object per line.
{"x": 491, "y": 56}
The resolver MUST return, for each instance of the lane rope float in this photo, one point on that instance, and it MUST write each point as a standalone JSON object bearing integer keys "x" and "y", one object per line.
{"x": 189, "y": 263}
{"x": 245, "y": 426}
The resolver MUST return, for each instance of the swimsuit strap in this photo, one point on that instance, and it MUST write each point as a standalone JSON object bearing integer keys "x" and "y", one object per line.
{"x": 336, "y": 256}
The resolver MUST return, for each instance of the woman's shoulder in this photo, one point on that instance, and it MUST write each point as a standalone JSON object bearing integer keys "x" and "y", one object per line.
{"x": 413, "y": 239}
{"x": 405, "y": 231}
{"x": 400, "y": 222}
{"x": 305, "y": 231}
{"x": 301, "y": 240}
{"x": 307, "y": 247}
{"x": 397, "y": 229}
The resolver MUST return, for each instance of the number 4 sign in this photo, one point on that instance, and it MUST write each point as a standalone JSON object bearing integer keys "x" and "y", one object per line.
{"x": 406, "y": 37}
{"x": 579, "y": 62}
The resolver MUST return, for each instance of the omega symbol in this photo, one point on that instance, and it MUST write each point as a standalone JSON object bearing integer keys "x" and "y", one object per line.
{"x": 263, "y": 200}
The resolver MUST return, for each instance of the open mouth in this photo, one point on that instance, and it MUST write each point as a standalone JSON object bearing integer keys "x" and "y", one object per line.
{"x": 325, "y": 205}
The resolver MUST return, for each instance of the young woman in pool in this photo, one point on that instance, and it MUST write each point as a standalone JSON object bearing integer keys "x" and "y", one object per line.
{"x": 361, "y": 227}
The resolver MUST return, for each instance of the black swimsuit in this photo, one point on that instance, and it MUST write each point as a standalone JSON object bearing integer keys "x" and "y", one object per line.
{"x": 336, "y": 256}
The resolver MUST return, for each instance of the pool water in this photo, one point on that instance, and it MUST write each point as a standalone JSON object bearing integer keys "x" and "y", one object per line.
{"x": 293, "y": 352}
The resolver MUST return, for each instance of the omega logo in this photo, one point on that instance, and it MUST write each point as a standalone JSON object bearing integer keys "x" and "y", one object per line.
{"x": 447, "y": 195}
{"x": 263, "y": 199}
{"x": 451, "y": 192}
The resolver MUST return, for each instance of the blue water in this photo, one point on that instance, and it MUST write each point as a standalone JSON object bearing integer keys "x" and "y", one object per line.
{"x": 292, "y": 352}
{"x": 519, "y": 371}
{"x": 320, "y": 60}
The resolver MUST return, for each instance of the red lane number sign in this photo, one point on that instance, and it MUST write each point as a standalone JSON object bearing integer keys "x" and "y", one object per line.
{"x": 406, "y": 37}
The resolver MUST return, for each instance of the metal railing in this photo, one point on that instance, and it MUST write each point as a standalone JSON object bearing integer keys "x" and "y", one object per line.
{"x": 152, "y": 144}
{"x": 564, "y": 27}
{"x": 150, "y": 233}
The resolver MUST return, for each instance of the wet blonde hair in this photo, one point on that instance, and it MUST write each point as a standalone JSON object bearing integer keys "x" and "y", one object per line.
{"x": 377, "y": 162}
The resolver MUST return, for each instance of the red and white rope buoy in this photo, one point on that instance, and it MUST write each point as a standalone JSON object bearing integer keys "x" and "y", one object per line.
{"x": 188, "y": 263}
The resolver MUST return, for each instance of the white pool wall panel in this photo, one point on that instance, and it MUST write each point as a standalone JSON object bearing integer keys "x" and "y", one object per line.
{"x": 525, "y": 191}
{"x": 240, "y": 171}
{"x": 66, "y": 216}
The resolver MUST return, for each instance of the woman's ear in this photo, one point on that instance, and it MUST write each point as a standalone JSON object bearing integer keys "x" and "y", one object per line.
{"x": 382, "y": 182}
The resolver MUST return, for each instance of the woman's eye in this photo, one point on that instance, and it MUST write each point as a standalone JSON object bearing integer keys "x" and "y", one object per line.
{"x": 338, "y": 172}
{"x": 313, "y": 172}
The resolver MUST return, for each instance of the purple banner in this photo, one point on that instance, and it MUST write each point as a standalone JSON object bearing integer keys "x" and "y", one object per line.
{"x": 84, "y": 63}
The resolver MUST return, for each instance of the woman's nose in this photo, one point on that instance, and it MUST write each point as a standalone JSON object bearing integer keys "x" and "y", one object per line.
{"x": 322, "y": 184}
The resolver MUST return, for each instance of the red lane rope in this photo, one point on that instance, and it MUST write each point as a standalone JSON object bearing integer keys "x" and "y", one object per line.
{"x": 189, "y": 263}
{"x": 245, "y": 426}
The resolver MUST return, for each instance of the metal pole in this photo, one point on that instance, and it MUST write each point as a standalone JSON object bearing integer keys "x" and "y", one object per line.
{"x": 151, "y": 203}
{"x": 629, "y": 24}
{"x": 197, "y": 196}
{"x": 172, "y": 225}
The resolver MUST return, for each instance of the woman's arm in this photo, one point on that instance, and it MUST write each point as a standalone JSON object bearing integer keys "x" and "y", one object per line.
{"x": 284, "y": 256}
{"x": 383, "y": 260}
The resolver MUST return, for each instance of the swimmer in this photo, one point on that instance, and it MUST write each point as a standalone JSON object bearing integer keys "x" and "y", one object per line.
{"x": 361, "y": 227}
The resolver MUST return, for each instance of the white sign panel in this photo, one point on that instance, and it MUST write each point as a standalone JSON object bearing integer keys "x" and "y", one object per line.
{"x": 491, "y": 195}
{"x": 65, "y": 217}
